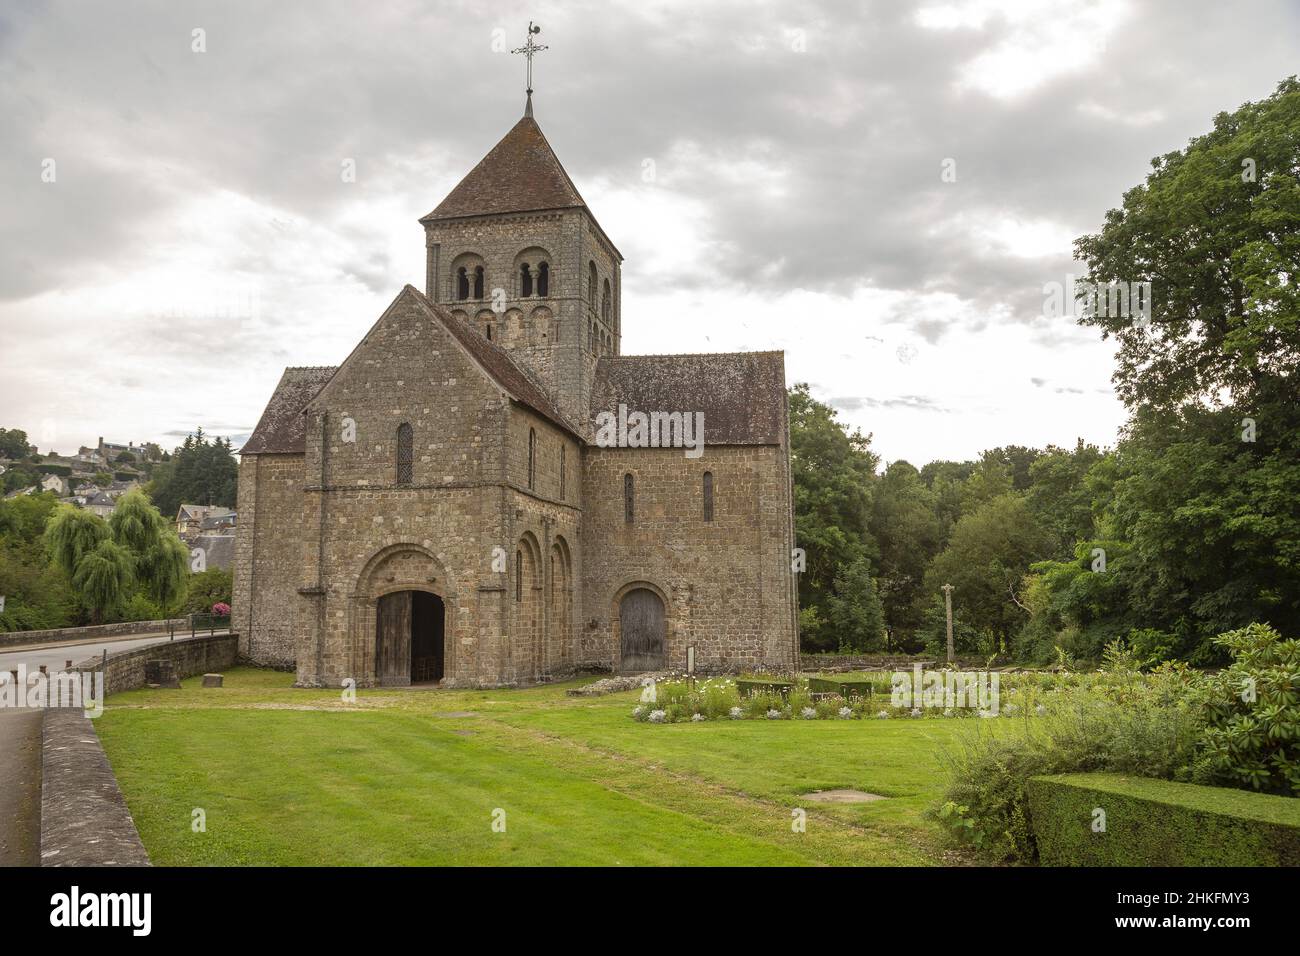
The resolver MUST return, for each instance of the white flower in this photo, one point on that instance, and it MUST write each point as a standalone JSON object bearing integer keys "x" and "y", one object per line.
{"x": 883, "y": 715}
{"x": 698, "y": 717}
{"x": 916, "y": 711}
{"x": 808, "y": 714}
{"x": 773, "y": 715}
{"x": 987, "y": 713}
{"x": 1040, "y": 710}
{"x": 657, "y": 716}
{"x": 736, "y": 713}
{"x": 637, "y": 711}
{"x": 947, "y": 712}
{"x": 846, "y": 712}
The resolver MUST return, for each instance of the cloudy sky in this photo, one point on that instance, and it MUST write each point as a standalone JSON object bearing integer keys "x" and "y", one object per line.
{"x": 773, "y": 173}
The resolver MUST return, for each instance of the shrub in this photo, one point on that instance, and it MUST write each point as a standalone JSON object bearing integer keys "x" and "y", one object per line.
{"x": 1253, "y": 712}
{"x": 1147, "y": 727}
{"x": 1159, "y": 823}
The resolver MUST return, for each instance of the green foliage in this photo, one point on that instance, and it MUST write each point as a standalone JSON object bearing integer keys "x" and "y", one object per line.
{"x": 854, "y": 612}
{"x": 1253, "y": 737}
{"x": 71, "y": 534}
{"x": 20, "y": 476}
{"x": 1159, "y": 823}
{"x": 206, "y": 589}
{"x": 834, "y": 472}
{"x": 1217, "y": 247}
{"x": 1122, "y": 723}
{"x": 103, "y": 578}
{"x": 159, "y": 558}
{"x": 200, "y": 472}
{"x": 985, "y": 561}
{"x": 905, "y": 521}
{"x": 13, "y": 443}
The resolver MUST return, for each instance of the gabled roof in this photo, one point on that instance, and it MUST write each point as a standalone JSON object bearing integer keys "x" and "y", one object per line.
{"x": 742, "y": 394}
{"x": 500, "y": 367}
{"x": 282, "y": 430}
{"x": 519, "y": 174}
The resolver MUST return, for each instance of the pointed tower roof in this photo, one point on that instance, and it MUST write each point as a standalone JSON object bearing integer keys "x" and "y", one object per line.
{"x": 520, "y": 174}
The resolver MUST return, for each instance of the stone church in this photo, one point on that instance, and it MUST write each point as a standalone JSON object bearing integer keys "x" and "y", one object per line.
{"x": 444, "y": 506}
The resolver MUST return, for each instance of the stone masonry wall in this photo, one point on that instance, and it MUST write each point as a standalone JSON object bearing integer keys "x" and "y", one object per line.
{"x": 724, "y": 583}
{"x": 268, "y": 548}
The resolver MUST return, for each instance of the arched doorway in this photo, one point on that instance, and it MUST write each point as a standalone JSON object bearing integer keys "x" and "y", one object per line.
{"x": 641, "y": 631}
{"x": 409, "y": 639}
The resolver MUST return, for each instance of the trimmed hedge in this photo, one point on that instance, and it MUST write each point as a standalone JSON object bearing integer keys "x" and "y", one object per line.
{"x": 1160, "y": 823}
{"x": 850, "y": 689}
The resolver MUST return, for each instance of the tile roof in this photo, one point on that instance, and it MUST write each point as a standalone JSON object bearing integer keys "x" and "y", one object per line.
{"x": 521, "y": 173}
{"x": 742, "y": 394}
{"x": 282, "y": 430}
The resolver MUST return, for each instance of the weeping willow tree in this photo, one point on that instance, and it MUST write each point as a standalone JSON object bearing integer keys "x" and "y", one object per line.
{"x": 71, "y": 534}
{"x": 158, "y": 557}
{"x": 103, "y": 578}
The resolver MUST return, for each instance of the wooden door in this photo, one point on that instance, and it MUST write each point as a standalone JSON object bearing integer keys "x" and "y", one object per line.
{"x": 641, "y": 630}
{"x": 393, "y": 640}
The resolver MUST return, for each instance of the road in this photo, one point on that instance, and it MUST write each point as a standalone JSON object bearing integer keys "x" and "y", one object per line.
{"x": 20, "y": 743}
{"x": 56, "y": 656}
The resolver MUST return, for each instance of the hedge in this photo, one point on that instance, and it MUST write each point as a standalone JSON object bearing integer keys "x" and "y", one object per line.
{"x": 1160, "y": 823}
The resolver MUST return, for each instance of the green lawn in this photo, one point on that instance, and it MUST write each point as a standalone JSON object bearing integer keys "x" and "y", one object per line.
{"x": 298, "y": 777}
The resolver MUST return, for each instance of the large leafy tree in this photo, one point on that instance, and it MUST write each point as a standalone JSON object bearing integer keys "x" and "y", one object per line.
{"x": 13, "y": 443}
{"x": 1216, "y": 230}
{"x": 1205, "y": 486}
{"x": 906, "y": 524}
{"x": 834, "y": 472}
{"x": 986, "y": 560}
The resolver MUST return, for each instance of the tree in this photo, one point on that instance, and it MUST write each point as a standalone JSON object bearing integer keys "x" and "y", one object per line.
{"x": 71, "y": 534}
{"x": 200, "y": 472}
{"x": 103, "y": 579}
{"x": 1059, "y": 494}
{"x": 13, "y": 443}
{"x": 834, "y": 472}
{"x": 1216, "y": 230}
{"x": 854, "y": 613}
{"x": 207, "y": 588}
{"x": 158, "y": 557}
{"x": 905, "y": 522}
{"x": 986, "y": 559}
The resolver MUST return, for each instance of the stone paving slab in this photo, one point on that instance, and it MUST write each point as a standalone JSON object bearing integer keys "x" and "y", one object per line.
{"x": 20, "y": 787}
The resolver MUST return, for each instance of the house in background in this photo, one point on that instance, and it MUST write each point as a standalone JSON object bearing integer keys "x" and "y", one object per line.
{"x": 190, "y": 518}
{"x": 57, "y": 484}
{"x": 100, "y": 504}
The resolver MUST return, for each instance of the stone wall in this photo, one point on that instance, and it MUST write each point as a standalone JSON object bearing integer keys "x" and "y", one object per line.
{"x": 268, "y": 549}
{"x": 84, "y": 820}
{"x": 191, "y": 655}
{"x": 834, "y": 663}
{"x": 726, "y": 583}
{"x": 21, "y": 638}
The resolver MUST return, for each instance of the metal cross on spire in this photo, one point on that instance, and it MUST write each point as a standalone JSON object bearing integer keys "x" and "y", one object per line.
{"x": 529, "y": 49}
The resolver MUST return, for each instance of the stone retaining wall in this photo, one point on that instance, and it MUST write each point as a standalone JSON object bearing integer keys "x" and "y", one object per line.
{"x": 191, "y": 655}
{"x": 20, "y": 638}
{"x": 84, "y": 819}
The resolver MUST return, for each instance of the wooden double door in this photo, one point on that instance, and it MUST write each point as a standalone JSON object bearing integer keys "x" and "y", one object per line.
{"x": 410, "y": 646}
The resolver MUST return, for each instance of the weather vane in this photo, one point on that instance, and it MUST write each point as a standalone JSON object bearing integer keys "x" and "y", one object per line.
{"x": 528, "y": 50}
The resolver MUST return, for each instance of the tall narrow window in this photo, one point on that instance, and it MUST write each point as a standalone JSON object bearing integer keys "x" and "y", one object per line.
{"x": 478, "y": 282}
{"x": 525, "y": 281}
{"x": 563, "y": 477}
{"x": 708, "y": 496}
{"x": 462, "y": 283}
{"x": 604, "y": 304}
{"x": 532, "y": 457}
{"x": 543, "y": 279}
{"x": 629, "y": 506}
{"x": 488, "y": 329}
{"x": 405, "y": 454}
{"x": 519, "y": 575}
{"x": 591, "y": 285}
